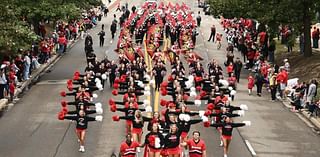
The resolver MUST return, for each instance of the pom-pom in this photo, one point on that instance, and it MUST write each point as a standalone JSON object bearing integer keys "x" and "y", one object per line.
{"x": 164, "y": 84}
{"x": 206, "y": 124}
{"x": 63, "y": 103}
{"x": 244, "y": 107}
{"x": 99, "y": 110}
{"x": 115, "y": 118}
{"x": 148, "y": 109}
{"x": 99, "y": 118}
{"x": 98, "y": 105}
{"x": 63, "y": 93}
{"x": 104, "y": 76}
{"x": 113, "y": 108}
{"x": 115, "y": 92}
{"x": 198, "y": 88}
{"x": 164, "y": 92}
{"x": 163, "y": 102}
{"x": 111, "y": 102}
{"x": 94, "y": 95}
{"x": 210, "y": 106}
{"x": 61, "y": 116}
{"x": 207, "y": 113}
{"x": 116, "y": 85}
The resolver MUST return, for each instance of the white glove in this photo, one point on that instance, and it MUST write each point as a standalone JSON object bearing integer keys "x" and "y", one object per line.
{"x": 188, "y": 84}
{"x": 97, "y": 80}
{"x": 241, "y": 113}
{"x": 230, "y": 88}
{"x": 94, "y": 95}
{"x": 248, "y": 123}
{"x": 229, "y": 99}
{"x": 181, "y": 117}
{"x": 197, "y": 103}
{"x": 140, "y": 84}
{"x": 104, "y": 76}
{"x": 193, "y": 94}
{"x": 98, "y": 84}
{"x": 98, "y": 105}
{"x": 244, "y": 107}
{"x": 187, "y": 117}
{"x": 148, "y": 109}
{"x": 147, "y": 88}
{"x": 204, "y": 119}
{"x": 146, "y": 102}
{"x": 233, "y": 92}
{"x": 192, "y": 89}
{"x": 190, "y": 78}
{"x": 147, "y": 77}
{"x": 146, "y": 93}
{"x": 99, "y": 110}
{"x": 99, "y": 118}
{"x": 201, "y": 113}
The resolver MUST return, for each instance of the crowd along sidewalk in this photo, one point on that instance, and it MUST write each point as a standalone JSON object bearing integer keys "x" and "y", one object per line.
{"x": 4, "y": 103}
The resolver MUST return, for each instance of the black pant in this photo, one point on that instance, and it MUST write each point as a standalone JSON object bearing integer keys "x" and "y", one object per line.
{"x": 2, "y": 87}
{"x": 101, "y": 42}
{"x": 112, "y": 34}
{"x": 111, "y": 79}
{"x": 259, "y": 87}
{"x": 212, "y": 35}
{"x": 273, "y": 92}
{"x": 237, "y": 74}
{"x": 158, "y": 81}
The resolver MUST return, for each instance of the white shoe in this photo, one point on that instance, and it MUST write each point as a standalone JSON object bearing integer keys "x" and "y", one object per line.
{"x": 221, "y": 143}
{"x": 78, "y": 140}
{"x": 138, "y": 149}
{"x": 81, "y": 149}
{"x": 225, "y": 155}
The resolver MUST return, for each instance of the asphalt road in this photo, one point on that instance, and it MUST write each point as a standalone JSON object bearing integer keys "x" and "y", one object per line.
{"x": 31, "y": 128}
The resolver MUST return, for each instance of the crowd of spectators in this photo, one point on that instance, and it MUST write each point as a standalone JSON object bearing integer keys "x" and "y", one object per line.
{"x": 18, "y": 68}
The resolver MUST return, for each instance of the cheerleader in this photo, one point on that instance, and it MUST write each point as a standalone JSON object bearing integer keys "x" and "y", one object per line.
{"x": 227, "y": 127}
{"x": 81, "y": 125}
{"x": 154, "y": 141}
{"x": 172, "y": 142}
{"x": 137, "y": 124}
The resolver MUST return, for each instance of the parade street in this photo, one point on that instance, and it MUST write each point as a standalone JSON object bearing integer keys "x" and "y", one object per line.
{"x": 30, "y": 127}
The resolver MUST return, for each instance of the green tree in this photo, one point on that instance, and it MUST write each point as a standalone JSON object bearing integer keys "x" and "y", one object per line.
{"x": 296, "y": 13}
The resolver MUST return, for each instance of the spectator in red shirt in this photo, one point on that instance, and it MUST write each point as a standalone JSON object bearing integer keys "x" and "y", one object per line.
{"x": 196, "y": 146}
{"x": 128, "y": 148}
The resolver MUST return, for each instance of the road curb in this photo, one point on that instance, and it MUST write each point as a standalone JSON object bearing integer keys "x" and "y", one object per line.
{"x": 305, "y": 115}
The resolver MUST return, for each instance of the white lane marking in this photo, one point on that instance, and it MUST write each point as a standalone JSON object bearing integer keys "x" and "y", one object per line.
{"x": 52, "y": 82}
{"x": 250, "y": 148}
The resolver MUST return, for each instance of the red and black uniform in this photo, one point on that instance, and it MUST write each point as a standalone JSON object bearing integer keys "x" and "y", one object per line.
{"x": 137, "y": 125}
{"x": 196, "y": 148}
{"x": 128, "y": 149}
{"x": 227, "y": 128}
{"x": 82, "y": 122}
{"x": 154, "y": 141}
{"x": 172, "y": 143}
{"x": 184, "y": 126}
